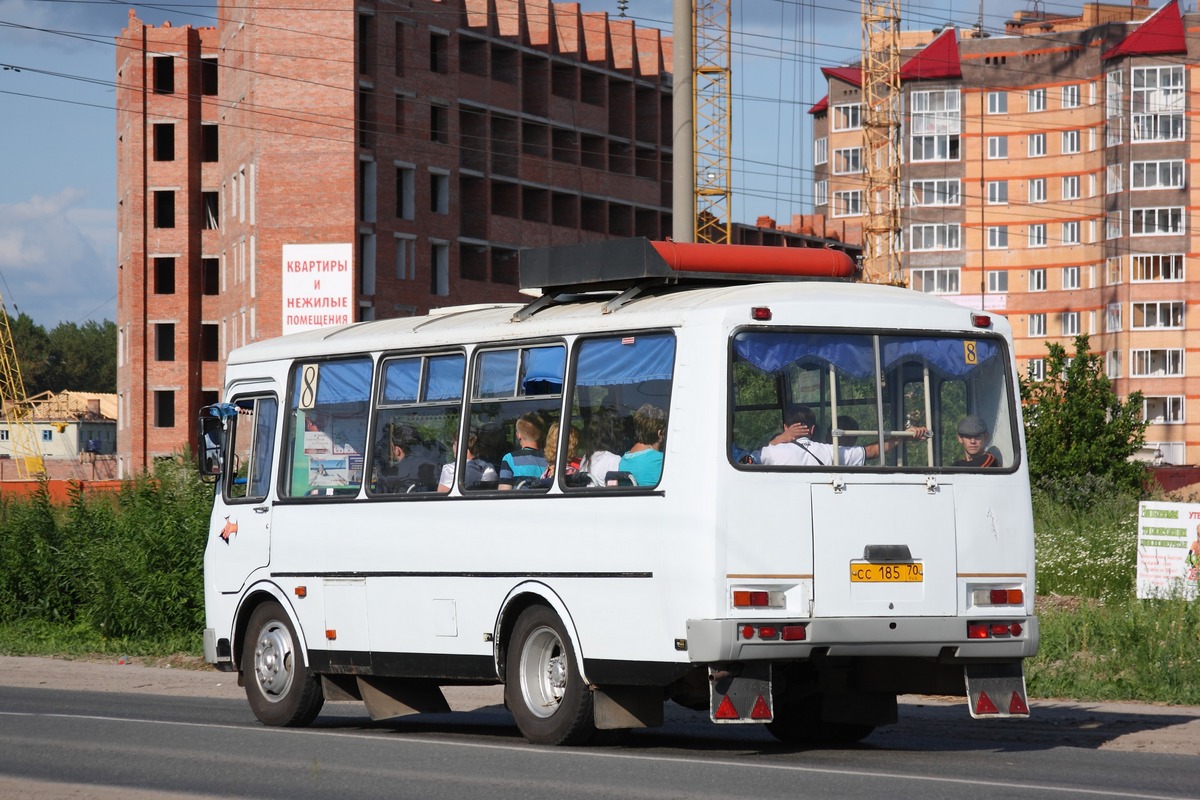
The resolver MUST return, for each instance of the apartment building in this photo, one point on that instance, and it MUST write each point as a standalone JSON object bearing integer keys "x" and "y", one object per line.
{"x": 338, "y": 161}
{"x": 1046, "y": 175}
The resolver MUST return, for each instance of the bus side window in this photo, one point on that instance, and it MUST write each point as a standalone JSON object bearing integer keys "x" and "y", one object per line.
{"x": 620, "y": 402}
{"x": 419, "y": 406}
{"x": 326, "y": 428}
{"x": 516, "y": 395}
{"x": 253, "y": 446}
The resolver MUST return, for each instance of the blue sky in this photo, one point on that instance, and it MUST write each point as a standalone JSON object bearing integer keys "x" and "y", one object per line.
{"x": 58, "y": 64}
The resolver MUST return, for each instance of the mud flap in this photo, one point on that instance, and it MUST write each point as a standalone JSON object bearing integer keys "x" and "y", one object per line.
{"x": 996, "y": 690}
{"x": 740, "y": 693}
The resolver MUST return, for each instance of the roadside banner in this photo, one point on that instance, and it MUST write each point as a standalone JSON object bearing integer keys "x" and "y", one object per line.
{"x": 1168, "y": 550}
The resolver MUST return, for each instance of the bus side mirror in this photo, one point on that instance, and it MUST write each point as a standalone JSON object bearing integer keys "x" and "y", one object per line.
{"x": 211, "y": 446}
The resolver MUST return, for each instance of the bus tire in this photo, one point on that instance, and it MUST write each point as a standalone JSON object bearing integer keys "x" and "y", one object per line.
{"x": 543, "y": 687}
{"x": 279, "y": 686}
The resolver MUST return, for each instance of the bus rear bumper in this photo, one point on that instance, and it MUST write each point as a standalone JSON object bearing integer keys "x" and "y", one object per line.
{"x": 719, "y": 640}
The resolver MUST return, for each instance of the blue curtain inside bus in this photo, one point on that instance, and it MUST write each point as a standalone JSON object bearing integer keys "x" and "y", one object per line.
{"x": 444, "y": 380}
{"x": 853, "y": 355}
{"x": 629, "y": 359}
{"x": 336, "y": 382}
{"x": 544, "y": 368}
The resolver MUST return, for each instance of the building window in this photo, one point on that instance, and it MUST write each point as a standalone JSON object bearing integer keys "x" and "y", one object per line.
{"x": 1070, "y": 278}
{"x": 1037, "y": 190}
{"x": 997, "y": 147}
{"x": 1036, "y": 100}
{"x": 1156, "y": 104}
{"x": 164, "y": 141}
{"x": 997, "y": 193}
{"x": 1112, "y": 318}
{"x": 936, "y": 124}
{"x": 1112, "y": 270}
{"x": 1070, "y": 187}
{"x": 3, "y": 434}
{"x": 406, "y": 258}
{"x": 943, "y": 236}
{"x": 1114, "y": 89}
{"x": 210, "y": 139}
{"x": 211, "y": 210}
{"x": 47, "y": 435}
{"x": 997, "y": 281}
{"x": 847, "y": 161}
{"x": 821, "y": 151}
{"x": 1156, "y": 221}
{"x": 1166, "y": 410}
{"x": 821, "y": 193}
{"x": 1037, "y": 280}
{"x": 935, "y": 193}
{"x": 438, "y": 58}
{"x": 164, "y": 209}
{"x": 210, "y": 276}
{"x": 1037, "y": 145}
{"x": 1112, "y": 179}
{"x": 406, "y": 192}
{"x": 847, "y": 117}
{"x": 439, "y": 193}
{"x": 997, "y": 102}
{"x": 1037, "y": 369}
{"x": 1070, "y": 323}
{"x": 1112, "y": 225}
{"x": 164, "y": 341}
{"x": 1150, "y": 268}
{"x": 997, "y": 237}
{"x": 1163, "y": 363}
{"x": 1070, "y": 96}
{"x": 1037, "y": 235}
{"x": 1037, "y": 325}
{"x": 210, "y": 342}
{"x": 1156, "y": 174}
{"x": 1156, "y": 314}
{"x": 438, "y": 116}
{"x": 1112, "y": 364}
{"x": 1070, "y": 232}
{"x": 164, "y": 276}
{"x": 164, "y": 409}
{"x": 1070, "y": 142}
{"x": 439, "y": 269}
{"x": 847, "y": 204}
{"x": 208, "y": 76}
{"x": 164, "y": 75}
{"x": 934, "y": 280}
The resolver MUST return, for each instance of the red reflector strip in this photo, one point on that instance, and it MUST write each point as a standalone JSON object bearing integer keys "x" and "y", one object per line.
{"x": 726, "y": 710}
{"x": 794, "y": 633}
{"x": 977, "y": 630}
{"x": 760, "y": 710}
{"x": 1000, "y": 630}
{"x": 768, "y": 632}
{"x": 1017, "y": 705}
{"x": 985, "y": 705}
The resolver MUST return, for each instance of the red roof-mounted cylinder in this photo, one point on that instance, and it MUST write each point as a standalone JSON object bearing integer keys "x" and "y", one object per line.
{"x": 745, "y": 259}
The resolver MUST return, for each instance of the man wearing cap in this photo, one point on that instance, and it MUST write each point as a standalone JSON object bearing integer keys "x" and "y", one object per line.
{"x": 973, "y": 436}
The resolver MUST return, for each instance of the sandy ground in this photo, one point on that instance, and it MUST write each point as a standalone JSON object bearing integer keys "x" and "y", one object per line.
{"x": 1115, "y": 726}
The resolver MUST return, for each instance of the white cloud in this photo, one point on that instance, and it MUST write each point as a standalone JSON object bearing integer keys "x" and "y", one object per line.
{"x": 51, "y": 262}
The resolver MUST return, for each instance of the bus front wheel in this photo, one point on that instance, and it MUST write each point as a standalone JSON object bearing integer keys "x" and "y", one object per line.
{"x": 279, "y": 686}
{"x": 543, "y": 687}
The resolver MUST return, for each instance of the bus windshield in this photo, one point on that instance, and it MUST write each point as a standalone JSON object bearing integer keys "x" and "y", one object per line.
{"x": 861, "y": 389}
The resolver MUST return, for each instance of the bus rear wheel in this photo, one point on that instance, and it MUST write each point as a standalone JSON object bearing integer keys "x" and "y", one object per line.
{"x": 281, "y": 689}
{"x": 543, "y": 687}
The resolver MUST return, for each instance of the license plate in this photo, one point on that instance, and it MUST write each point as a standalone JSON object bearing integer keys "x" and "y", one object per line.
{"x": 861, "y": 572}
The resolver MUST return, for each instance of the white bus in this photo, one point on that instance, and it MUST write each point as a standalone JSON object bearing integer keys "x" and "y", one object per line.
{"x": 387, "y": 520}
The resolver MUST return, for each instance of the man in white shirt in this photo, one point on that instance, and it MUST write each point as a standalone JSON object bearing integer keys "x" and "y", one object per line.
{"x": 801, "y": 451}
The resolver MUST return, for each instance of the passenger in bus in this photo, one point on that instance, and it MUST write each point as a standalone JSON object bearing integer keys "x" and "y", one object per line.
{"x": 526, "y": 464}
{"x": 572, "y": 459}
{"x": 800, "y": 450}
{"x": 602, "y": 440}
{"x": 402, "y": 468}
{"x": 973, "y": 436}
{"x": 644, "y": 460}
{"x": 478, "y": 471}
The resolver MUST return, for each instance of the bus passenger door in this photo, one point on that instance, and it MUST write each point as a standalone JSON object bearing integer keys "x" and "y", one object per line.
{"x": 883, "y": 550}
{"x": 242, "y": 540}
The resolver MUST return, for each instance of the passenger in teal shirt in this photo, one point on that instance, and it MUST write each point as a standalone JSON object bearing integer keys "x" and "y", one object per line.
{"x": 644, "y": 461}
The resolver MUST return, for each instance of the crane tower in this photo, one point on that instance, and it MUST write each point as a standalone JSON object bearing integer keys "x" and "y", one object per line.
{"x": 881, "y": 131}
{"x": 18, "y": 414}
{"x": 711, "y": 104}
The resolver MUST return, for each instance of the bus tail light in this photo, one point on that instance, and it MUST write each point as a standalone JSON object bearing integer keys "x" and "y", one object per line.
{"x": 993, "y": 630}
{"x": 981, "y": 320}
{"x": 757, "y": 598}
{"x": 998, "y": 597}
{"x": 786, "y": 633}
{"x": 760, "y": 314}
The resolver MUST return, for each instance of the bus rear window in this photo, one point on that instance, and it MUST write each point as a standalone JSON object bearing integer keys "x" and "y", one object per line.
{"x": 832, "y": 399}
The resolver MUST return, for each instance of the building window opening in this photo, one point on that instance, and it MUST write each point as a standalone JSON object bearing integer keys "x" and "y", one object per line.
{"x": 210, "y": 138}
{"x": 211, "y": 203}
{"x": 164, "y": 141}
{"x": 209, "y": 342}
{"x": 164, "y": 75}
{"x": 210, "y": 283}
{"x": 164, "y": 276}
{"x": 164, "y": 209}
{"x": 164, "y": 341}
{"x": 208, "y": 76}
{"x": 164, "y": 409}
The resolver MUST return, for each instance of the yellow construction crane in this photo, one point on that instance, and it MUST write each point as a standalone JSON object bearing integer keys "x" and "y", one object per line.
{"x": 18, "y": 413}
{"x": 712, "y": 109}
{"x": 881, "y": 131}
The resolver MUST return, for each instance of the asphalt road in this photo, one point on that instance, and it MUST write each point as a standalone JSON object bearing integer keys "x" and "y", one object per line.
{"x": 153, "y": 734}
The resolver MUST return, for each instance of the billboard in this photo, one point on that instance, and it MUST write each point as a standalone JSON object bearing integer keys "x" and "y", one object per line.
{"x": 1168, "y": 550}
{"x": 317, "y": 286}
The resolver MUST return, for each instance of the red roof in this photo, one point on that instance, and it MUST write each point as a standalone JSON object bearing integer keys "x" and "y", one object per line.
{"x": 938, "y": 60}
{"x": 851, "y": 75}
{"x": 1161, "y": 33}
{"x": 822, "y": 105}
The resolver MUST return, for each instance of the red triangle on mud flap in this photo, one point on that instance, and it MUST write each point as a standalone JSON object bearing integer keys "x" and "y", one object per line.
{"x": 985, "y": 705}
{"x": 726, "y": 709}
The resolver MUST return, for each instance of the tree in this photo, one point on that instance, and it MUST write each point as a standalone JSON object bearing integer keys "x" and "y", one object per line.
{"x": 32, "y": 347}
{"x": 1076, "y": 426}
{"x": 84, "y": 356}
